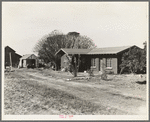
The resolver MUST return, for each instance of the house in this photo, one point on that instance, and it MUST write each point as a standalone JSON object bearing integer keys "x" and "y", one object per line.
{"x": 11, "y": 56}
{"x": 28, "y": 60}
{"x": 97, "y": 59}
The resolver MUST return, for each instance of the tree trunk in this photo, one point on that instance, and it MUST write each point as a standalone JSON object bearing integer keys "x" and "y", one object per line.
{"x": 78, "y": 62}
{"x": 75, "y": 67}
{"x": 121, "y": 70}
{"x": 131, "y": 70}
{"x": 55, "y": 67}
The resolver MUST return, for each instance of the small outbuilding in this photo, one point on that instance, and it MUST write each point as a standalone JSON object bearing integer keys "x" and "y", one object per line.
{"x": 28, "y": 60}
{"x": 11, "y": 57}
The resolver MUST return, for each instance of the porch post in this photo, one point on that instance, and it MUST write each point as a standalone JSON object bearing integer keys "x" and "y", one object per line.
{"x": 75, "y": 70}
{"x": 97, "y": 64}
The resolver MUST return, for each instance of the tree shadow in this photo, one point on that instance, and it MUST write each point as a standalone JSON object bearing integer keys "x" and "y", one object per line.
{"x": 141, "y": 82}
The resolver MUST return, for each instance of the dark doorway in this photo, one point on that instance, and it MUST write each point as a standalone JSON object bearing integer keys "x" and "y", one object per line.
{"x": 31, "y": 63}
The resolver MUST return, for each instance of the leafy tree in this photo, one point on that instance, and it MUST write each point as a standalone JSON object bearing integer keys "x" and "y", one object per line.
{"x": 143, "y": 58}
{"x": 48, "y": 45}
{"x": 134, "y": 60}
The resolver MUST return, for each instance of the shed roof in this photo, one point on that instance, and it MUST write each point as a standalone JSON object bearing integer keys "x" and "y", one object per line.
{"x": 109, "y": 50}
{"x": 10, "y": 48}
{"x": 26, "y": 56}
{"x": 18, "y": 55}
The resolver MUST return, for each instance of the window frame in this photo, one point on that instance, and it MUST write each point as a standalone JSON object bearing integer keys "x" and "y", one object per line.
{"x": 108, "y": 62}
{"x": 93, "y": 63}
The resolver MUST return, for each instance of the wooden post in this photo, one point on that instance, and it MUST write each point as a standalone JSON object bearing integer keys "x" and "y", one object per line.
{"x": 75, "y": 70}
{"x": 10, "y": 61}
{"x": 78, "y": 62}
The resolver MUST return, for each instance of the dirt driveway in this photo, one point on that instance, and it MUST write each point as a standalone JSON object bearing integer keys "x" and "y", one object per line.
{"x": 104, "y": 98}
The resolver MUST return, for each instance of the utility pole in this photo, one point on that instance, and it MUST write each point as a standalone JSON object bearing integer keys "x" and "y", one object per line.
{"x": 10, "y": 61}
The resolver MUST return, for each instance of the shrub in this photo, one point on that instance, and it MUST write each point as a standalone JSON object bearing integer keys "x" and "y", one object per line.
{"x": 104, "y": 76}
{"x": 109, "y": 72}
{"x": 41, "y": 65}
{"x": 90, "y": 72}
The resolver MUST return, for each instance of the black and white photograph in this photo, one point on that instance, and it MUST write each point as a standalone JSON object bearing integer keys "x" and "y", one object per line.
{"x": 75, "y": 60}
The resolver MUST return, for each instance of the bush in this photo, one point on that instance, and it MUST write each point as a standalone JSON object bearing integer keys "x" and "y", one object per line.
{"x": 90, "y": 72}
{"x": 109, "y": 72}
{"x": 134, "y": 61}
{"x": 104, "y": 76}
{"x": 41, "y": 65}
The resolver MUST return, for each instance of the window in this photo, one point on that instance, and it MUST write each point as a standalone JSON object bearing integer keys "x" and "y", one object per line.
{"x": 93, "y": 61}
{"x": 108, "y": 62}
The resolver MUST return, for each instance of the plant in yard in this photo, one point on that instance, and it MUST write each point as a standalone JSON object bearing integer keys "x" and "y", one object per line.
{"x": 143, "y": 58}
{"x": 90, "y": 72}
{"x": 104, "y": 72}
{"x": 104, "y": 75}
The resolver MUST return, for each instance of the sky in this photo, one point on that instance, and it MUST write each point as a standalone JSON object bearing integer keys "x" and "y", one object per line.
{"x": 108, "y": 24}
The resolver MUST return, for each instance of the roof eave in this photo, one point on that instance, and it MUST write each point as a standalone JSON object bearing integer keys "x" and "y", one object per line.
{"x": 127, "y": 49}
{"x": 103, "y": 54}
{"x": 10, "y": 48}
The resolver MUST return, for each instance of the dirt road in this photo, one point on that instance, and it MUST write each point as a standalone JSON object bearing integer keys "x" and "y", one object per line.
{"x": 106, "y": 98}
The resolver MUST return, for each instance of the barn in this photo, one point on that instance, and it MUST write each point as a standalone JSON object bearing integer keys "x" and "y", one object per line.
{"x": 97, "y": 59}
{"x": 11, "y": 56}
{"x": 28, "y": 60}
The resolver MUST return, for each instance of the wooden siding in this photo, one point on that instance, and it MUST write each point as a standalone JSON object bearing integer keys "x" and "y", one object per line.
{"x": 100, "y": 56}
{"x": 100, "y": 63}
{"x": 64, "y": 61}
{"x": 113, "y": 68}
{"x": 14, "y": 57}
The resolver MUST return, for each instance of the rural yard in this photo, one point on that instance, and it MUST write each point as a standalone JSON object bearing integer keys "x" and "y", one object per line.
{"x": 48, "y": 92}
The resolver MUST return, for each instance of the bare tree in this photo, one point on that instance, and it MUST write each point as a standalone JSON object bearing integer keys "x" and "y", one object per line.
{"x": 48, "y": 45}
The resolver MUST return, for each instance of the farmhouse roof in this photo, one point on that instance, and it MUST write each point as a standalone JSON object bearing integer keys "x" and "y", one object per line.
{"x": 109, "y": 50}
{"x": 106, "y": 50}
{"x": 73, "y": 51}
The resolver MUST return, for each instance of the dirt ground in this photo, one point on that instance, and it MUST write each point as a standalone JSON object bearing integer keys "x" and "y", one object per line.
{"x": 46, "y": 92}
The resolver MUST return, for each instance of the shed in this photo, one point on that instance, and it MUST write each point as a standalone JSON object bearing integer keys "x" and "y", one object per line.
{"x": 28, "y": 60}
{"x": 11, "y": 57}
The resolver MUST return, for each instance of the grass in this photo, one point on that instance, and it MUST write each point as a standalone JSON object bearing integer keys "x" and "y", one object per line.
{"x": 27, "y": 96}
{"x": 24, "y": 95}
{"x": 117, "y": 81}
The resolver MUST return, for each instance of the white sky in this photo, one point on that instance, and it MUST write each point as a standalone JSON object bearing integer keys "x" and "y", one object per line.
{"x": 107, "y": 23}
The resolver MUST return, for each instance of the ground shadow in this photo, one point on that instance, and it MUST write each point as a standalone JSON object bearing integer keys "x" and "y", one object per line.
{"x": 107, "y": 79}
{"x": 141, "y": 82}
